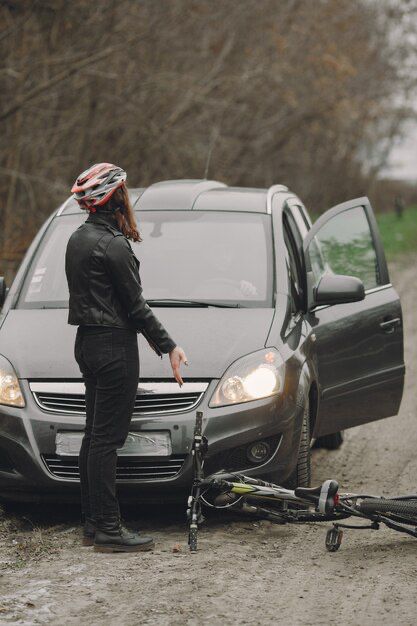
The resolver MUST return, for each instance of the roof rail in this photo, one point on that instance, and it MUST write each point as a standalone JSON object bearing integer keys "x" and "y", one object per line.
{"x": 175, "y": 194}
{"x": 271, "y": 191}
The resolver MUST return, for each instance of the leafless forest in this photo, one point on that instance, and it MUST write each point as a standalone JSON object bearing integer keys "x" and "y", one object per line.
{"x": 309, "y": 93}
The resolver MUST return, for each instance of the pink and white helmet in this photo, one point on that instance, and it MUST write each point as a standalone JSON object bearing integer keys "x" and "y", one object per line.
{"x": 97, "y": 184}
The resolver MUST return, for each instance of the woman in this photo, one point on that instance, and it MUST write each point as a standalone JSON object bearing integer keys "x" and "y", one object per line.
{"x": 107, "y": 305}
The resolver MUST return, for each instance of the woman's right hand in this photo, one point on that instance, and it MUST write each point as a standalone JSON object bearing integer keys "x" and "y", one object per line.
{"x": 177, "y": 356}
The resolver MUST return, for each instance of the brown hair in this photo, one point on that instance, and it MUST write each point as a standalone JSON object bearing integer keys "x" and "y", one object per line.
{"x": 123, "y": 213}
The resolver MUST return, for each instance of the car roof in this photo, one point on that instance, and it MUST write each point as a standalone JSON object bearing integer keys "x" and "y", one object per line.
{"x": 191, "y": 194}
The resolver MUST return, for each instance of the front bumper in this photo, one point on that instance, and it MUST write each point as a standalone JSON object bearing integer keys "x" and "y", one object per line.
{"x": 27, "y": 441}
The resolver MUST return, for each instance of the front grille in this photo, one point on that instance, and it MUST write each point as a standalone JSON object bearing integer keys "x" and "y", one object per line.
{"x": 127, "y": 469}
{"x": 156, "y": 403}
{"x": 152, "y": 397}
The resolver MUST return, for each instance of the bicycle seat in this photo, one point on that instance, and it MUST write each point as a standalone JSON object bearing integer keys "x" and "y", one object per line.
{"x": 323, "y": 496}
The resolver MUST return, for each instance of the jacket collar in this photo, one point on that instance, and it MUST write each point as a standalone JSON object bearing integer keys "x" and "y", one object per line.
{"x": 102, "y": 218}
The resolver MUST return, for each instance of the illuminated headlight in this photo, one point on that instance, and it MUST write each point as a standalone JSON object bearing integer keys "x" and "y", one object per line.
{"x": 254, "y": 376}
{"x": 10, "y": 392}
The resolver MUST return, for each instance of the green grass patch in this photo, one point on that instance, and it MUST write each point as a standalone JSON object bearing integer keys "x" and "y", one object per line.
{"x": 399, "y": 235}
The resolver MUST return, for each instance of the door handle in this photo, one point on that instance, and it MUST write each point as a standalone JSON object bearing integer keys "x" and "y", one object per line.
{"x": 389, "y": 326}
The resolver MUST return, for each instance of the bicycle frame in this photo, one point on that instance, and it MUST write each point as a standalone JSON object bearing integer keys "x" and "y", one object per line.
{"x": 256, "y": 489}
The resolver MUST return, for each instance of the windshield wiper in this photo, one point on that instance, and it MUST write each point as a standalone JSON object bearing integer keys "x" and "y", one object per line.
{"x": 181, "y": 302}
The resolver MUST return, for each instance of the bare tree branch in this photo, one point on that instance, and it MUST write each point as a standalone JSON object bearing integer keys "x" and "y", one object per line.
{"x": 74, "y": 68}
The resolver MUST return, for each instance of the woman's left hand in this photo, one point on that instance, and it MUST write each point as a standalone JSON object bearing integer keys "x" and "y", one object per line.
{"x": 177, "y": 356}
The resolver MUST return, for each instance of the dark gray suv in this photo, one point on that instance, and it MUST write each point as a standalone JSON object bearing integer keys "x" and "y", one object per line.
{"x": 293, "y": 332}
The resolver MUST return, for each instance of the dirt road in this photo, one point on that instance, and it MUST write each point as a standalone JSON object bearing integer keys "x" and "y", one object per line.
{"x": 244, "y": 573}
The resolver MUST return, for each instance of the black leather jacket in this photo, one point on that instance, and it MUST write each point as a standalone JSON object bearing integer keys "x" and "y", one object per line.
{"x": 104, "y": 283}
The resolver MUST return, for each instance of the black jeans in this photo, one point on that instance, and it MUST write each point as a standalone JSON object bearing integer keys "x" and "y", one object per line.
{"x": 108, "y": 358}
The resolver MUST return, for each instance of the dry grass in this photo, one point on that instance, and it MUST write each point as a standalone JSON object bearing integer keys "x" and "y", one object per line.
{"x": 23, "y": 541}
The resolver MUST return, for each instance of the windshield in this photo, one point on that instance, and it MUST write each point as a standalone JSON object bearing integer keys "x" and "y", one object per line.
{"x": 213, "y": 256}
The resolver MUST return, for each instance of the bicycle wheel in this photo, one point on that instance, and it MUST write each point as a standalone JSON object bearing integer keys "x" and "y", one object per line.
{"x": 400, "y": 508}
{"x": 192, "y": 539}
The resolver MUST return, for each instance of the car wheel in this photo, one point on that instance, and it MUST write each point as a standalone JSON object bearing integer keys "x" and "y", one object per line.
{"x": 301, "y": 476}
{"x": 330, "y": 442}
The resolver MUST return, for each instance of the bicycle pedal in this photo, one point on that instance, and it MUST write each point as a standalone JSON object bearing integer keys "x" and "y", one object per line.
{"x": 334, "y": 538}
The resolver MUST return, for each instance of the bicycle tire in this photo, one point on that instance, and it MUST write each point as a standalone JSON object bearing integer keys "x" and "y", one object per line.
{"x": 302, "y": 516}
{"x": 385, "y": 506}
{"x": 192, "y": 539}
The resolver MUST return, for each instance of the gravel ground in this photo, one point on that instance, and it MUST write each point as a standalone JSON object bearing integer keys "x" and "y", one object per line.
{"x": 245, "y": 572}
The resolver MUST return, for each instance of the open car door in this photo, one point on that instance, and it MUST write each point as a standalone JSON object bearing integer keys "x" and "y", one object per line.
{"x": 358, "y": 345}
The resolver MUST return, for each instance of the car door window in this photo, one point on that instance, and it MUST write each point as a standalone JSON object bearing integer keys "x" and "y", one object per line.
{"x": 344, "y": 245}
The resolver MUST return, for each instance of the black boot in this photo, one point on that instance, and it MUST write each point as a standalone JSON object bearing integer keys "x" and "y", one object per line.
{"x": 89, "y": 532}
{"x": 121, "y": 540}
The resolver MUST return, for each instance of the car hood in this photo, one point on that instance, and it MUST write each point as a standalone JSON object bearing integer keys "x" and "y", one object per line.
{"x": 40, "y": 343}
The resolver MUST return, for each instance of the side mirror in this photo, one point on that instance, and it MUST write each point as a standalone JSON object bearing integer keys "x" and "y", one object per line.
{"x": 338, "y": 289}
{"x": 3, "y": 291}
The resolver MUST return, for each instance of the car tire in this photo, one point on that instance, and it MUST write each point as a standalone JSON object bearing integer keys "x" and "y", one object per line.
{"x": 301, "y": 476}
{"x": 330, "y": 442}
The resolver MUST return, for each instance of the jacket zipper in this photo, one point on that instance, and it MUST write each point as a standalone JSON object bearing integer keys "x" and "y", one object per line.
{"x": 157, "y": 350}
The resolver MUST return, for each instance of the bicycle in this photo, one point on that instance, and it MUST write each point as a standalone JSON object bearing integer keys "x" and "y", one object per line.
{"x": 237, "y": 492}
